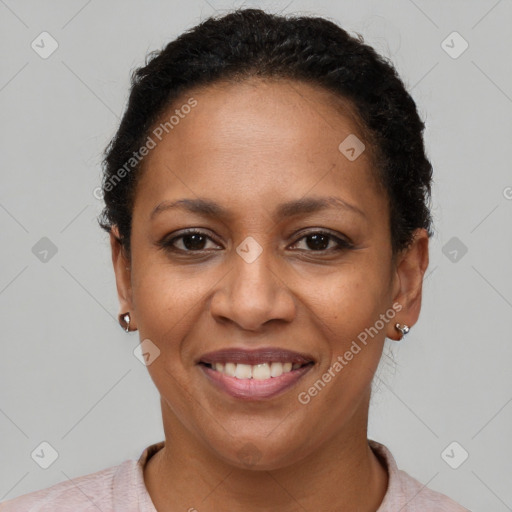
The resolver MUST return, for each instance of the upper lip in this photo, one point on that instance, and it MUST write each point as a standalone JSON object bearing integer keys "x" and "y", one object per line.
{"x": 255, "y": 356}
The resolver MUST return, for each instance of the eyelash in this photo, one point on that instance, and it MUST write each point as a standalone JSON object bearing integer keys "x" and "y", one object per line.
{"x": 168, "y": 244}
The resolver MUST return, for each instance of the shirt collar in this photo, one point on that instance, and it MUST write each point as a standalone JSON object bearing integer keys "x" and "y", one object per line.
{"x": 393, "y": 498}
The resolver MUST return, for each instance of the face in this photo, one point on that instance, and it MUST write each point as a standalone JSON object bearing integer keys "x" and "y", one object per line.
{"x": 293, "y": 259}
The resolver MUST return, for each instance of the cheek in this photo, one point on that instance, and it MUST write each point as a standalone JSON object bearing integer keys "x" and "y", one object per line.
{"x": 347, "y": 312}
{"x": 165, "y": 295}
{"x": 166, "y": 305}
{"x": 350, "y": 299}
{"x": 348, "y": 308}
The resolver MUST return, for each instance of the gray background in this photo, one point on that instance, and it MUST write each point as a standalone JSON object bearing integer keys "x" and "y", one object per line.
{"x": 68, "y": 373}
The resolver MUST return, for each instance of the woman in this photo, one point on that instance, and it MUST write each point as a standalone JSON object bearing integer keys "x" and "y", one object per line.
{"x": 267, "y": 203}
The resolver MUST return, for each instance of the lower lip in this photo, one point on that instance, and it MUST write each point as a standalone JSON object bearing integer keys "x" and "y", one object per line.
{"x": 255, "y": 389}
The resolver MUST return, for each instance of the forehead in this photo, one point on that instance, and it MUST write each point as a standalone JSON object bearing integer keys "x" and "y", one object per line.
{"x": 258, "y": 139}
{"x": 259, "y": 111}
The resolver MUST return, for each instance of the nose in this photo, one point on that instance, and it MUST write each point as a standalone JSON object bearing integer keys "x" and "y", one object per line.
{"x": 252, "y": 294}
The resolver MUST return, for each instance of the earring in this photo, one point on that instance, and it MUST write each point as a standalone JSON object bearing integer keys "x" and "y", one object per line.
{"x": 404, "y": 329}
{"x": 124, "y": 321}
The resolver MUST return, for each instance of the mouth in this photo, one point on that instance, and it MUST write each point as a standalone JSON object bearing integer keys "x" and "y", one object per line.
{"x": 255, "y": 374}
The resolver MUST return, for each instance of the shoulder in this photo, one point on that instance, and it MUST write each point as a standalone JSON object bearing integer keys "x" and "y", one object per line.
{"x": 94, "y": 491}
{"x": 407, "y": 494}
{"x": 420, "y": 498}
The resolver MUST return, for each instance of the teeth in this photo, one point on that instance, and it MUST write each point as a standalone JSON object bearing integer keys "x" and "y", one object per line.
{"x": 229, "y": 369}
{"x": 243, "y": 371}
{"x": 261, "y": 371}
{"x": 276, "y": 369}
{"x": 258, "y": 371}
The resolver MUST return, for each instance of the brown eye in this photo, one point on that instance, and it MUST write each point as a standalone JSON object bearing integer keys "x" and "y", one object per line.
{"x": 193, "y": 242}
{"x": 190, "y": 241}
{"x": 319, "y": 241}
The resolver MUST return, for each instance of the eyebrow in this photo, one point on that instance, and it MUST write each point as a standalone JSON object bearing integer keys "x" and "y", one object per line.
{"x": 289, "y": 209}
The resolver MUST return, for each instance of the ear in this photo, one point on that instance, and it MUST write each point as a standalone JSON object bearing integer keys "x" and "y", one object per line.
{"x": 122, "y": 272}
{"x": 410, "y": 268}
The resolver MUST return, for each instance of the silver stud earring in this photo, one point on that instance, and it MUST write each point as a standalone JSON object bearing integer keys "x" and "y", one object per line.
{"x": 124, "y": 321}
{"x": 404, "y": 329}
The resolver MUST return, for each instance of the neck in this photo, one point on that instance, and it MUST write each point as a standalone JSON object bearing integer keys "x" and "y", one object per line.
{"x": 343, "y": 474}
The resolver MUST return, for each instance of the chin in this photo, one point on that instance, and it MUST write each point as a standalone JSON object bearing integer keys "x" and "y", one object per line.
{"x": 259, "y": 454}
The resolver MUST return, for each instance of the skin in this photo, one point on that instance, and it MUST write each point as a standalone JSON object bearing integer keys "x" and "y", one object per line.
{"x": 251, "y": 146}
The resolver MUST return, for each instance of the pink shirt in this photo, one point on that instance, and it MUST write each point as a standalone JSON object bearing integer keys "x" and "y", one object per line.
{"x": 121, "y": 489}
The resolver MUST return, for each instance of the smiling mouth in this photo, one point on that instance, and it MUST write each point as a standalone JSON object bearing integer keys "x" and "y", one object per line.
{"x": 254, "y": 374}
{"x": 261, "y": 371}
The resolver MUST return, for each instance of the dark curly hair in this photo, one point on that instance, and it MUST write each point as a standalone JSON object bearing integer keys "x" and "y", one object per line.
{"x": 251, "y": 42}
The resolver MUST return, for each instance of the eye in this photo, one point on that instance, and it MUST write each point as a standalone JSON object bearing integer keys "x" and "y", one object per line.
{"x": 319, "y": 241}
{"x": 196, "y": 241}
{"x": 192, "y": 240}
